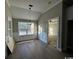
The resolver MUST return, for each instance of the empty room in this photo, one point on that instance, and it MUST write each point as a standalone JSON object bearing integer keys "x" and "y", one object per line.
{"x": 39, "y": 29}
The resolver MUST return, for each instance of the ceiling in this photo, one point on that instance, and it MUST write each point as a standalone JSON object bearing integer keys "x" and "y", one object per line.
{"x": 20, "y": 8}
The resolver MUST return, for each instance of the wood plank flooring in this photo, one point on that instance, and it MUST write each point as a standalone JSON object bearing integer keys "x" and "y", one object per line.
{"x": 34, "y": 50}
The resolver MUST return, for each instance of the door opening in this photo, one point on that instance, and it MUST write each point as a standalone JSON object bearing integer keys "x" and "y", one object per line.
{"x": 53, "y": 32}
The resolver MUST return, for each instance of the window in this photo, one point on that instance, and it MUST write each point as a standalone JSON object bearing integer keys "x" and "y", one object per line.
{"x": 25, "y": 28}
{"x": 40, "y": 28}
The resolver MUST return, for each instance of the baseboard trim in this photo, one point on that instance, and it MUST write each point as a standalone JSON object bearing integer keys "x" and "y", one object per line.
{"x": 25, "y": 40}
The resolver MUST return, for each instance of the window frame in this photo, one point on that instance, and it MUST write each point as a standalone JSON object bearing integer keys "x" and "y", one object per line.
{"x": 27, "y": 23}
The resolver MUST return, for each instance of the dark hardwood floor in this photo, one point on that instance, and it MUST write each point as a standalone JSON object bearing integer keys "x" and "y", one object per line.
{"x": 33, "y": 49}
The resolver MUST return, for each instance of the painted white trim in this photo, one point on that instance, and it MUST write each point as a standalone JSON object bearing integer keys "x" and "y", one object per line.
{"x": 52, "y": 6}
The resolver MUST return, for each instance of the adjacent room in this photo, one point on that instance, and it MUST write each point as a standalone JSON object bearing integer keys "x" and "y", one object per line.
{"x": 53, "y": 32}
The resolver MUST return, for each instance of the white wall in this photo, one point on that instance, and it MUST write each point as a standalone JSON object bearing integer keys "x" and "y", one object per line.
{"x": 42, "y": 35}
{"x": 53, "y": 28}
{"x": 9, "y": 39}
{"x": 43, "y": 21}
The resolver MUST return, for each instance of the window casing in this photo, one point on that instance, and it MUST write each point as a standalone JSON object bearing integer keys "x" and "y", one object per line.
{"x": 26, "y": 28}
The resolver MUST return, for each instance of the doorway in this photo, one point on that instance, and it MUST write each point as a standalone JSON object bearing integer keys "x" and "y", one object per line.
{"x": 53, "y": 32}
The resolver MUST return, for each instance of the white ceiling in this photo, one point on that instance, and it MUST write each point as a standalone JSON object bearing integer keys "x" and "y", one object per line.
{"x": 20, "y": 8}
{"x": 24, "y": 13}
